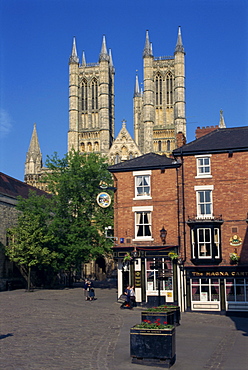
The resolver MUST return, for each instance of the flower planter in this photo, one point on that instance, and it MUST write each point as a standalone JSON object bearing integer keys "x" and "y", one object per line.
{"x": 154, "y": 347}
{"x": 176, "y": 311}
{"x": 162, "y": 316}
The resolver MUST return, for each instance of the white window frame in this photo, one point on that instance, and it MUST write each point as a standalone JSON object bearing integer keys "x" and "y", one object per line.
{"x": 198, "y": 190}
{"x": 214, "y": 240}
{"x": 206, "y": 299}
{"x": 203, "y": 166}
{"x": 137, "y": 211}
{"x": 136, "y": 175}
{"x": 207, "y": 244}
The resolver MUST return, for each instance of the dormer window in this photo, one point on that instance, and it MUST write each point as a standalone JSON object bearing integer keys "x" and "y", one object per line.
{"x": 142, "y": 184}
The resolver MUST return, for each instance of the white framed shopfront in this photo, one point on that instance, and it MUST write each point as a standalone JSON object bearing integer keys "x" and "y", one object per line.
{"x": 205, "y": 294}
{"x": 217, "y": 288}
{"x": 156, "y": 284}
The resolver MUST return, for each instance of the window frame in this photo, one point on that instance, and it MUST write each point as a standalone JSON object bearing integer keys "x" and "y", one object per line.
{"x": 213, "y": 244}
{"x": 203, "y": 166}
{"x": 137, "y": 212}
{"x": 137, "y": 175}
{"x": 205, "y": 203}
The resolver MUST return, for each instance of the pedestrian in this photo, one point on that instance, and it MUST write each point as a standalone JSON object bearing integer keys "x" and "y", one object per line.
{"x": 86, "y": 290}
{"x": 91, "y": 291}
{"x": 132, "y": 297}
{"x": 127, "y": 303}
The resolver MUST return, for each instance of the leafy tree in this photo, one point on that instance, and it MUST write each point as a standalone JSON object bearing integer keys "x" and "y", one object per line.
{"x": 79, "y": 221}
{"x": 31, "y": 240}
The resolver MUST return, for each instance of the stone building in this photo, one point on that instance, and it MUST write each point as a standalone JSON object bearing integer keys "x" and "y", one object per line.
{"x": 10, "y": 188}
{"x": 158, "y": 109}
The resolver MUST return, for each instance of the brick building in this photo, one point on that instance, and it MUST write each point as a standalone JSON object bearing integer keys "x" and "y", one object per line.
{"x": 145, "y": 204}
{"x": 200, "y": 199}
{"x": 213, "y": 183}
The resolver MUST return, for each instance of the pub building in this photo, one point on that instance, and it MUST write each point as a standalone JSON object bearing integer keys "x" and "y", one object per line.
{"x": 146, "y": 227}
{"x": 213, "y": 196}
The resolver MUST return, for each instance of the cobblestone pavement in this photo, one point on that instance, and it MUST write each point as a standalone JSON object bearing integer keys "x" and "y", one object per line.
{"x": 58, "y": 329}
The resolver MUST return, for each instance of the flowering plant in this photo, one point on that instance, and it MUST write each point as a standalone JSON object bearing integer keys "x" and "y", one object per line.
{"x": 234, "y": 257}
{"x": 127, "y": 257}
{"x": 147, "y": 324}
{"x": 173, "y": 255}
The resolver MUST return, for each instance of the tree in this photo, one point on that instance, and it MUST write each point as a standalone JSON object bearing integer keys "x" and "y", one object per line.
{"x": 31, "y": 242}
{"x": 79, "y": 222}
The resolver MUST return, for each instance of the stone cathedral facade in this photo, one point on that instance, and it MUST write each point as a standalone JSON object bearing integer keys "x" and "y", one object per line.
{"x": 158, "y": 110}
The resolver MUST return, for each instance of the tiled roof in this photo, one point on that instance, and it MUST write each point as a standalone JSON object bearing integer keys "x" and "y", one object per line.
{"x": 217, "y": 141}
{"x": 149, "y": 161}
{"x": 12, "y": 187}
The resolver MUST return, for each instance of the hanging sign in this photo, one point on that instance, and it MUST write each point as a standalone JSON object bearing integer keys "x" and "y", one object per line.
{"x": 103, "y": 200}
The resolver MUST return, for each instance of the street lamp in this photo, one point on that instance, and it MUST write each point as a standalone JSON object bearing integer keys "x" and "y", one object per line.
{"x": 163, "y": 234}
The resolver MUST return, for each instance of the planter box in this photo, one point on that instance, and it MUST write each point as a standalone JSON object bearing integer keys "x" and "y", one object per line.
{"x": 154, "y": 347}
{"x": 177, "y": 313}
{"x": 163, "y": 316}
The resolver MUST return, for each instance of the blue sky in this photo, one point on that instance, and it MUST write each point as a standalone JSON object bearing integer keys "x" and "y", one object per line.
{"x": 35, "y": 45}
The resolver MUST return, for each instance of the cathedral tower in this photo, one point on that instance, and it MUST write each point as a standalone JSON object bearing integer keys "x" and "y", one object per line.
{"x": 91, "y": 102}
{"x": 159, "y": 111}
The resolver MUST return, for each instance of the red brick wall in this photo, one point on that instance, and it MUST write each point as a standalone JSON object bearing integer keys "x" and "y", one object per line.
{"x": 164, "y": 202}
{"x": 230, "y": 198}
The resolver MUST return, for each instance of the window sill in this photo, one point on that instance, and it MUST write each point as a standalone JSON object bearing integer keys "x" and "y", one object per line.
{"x": 142, "y": 197}
{"x": 203, "y": 177}
{"x": 143, "y": 239}
{"x": 206, "y": 261}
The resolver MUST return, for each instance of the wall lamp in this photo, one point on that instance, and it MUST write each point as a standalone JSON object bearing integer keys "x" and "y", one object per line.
{"x": 163, "y": 234}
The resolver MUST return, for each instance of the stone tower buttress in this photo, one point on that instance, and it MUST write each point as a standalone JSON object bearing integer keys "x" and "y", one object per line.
{"x": 179, "y": 112}
{"x": 148, "y": 98}
{"x": 73, "y": 99}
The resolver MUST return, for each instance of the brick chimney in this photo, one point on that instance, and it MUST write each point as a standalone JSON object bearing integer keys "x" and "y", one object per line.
{"x": 199, "y": 132}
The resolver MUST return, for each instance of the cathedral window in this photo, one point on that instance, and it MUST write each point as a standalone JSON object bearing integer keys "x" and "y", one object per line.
{"x": 84, "y": 96}
{"x": 89, "y": 145}
{"x": 117, "y": 158}
{"x": 94, "y": 94}
{"x": 159, "y": 146}
{"x": 169, "y": 89}
{"x": 168, "y": 145}
{"x": 158, "y": 90}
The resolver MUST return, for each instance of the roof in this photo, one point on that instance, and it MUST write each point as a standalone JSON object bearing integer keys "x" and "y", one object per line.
{"x": 12, "y": 187}
{"x": 218, "y": 141}
{"x": 149, "y": 161}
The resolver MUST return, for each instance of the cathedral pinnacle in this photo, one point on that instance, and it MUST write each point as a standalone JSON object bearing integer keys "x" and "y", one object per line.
{"x": 148, "y": 46}
{"x": 179, "y": 45}
{"x": 74, "y": 58}
{"x": 83, "y": 59}
{"x": 222, "y": 121}
{"x": 104, "y": 54}
{"x": 136, "y": 88}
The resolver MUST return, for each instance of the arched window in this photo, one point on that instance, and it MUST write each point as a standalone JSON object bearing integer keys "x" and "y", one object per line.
{"x": 84, "y": 95}
{"x": 117, "y": 158}
{"x": 168, "y": 146}
{"x": 89, "y": 147}
{"x": 94, "y": 94}
{"x": 130, "y": 155}
{"x": 82, "y": 147}
{"x": 169, "y": 89}
{"x": 158, "y": 90}
{"x": 159, "y": 146}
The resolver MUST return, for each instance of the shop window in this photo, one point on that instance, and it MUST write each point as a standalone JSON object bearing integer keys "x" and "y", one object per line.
{"x": 205, "y": 242}
{"x": 153, "y": 270}
{"x": 236, "y": 290}
{"x": 205, "y": 290}
{"x": 203, "y": 166}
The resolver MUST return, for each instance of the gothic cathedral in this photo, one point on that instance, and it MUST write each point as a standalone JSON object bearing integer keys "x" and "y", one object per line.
{"x": 158, "y": 110}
